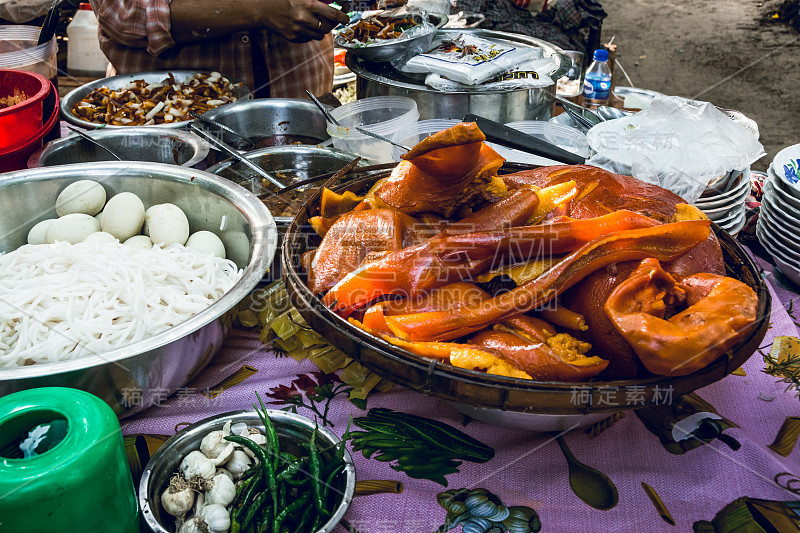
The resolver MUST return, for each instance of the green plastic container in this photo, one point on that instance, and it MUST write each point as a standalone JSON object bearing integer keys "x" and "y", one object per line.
{"x": 82, "y": 483}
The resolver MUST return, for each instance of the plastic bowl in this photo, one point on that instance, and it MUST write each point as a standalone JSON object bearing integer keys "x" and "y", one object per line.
{"x": 384, "y": 115}
{"x": 292, "y": 430}
{"x": 21, "y": 122}
{"x": 413, "y": 134}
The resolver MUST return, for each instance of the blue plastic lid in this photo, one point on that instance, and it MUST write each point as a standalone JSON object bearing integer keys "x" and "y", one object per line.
{"x": 600, "y": 55}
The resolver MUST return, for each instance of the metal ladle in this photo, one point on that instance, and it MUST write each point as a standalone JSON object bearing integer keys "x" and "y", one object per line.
{"x": 230, "y": 151}
{"x": 94, "y": 141}
{"x": 592, "y": 486}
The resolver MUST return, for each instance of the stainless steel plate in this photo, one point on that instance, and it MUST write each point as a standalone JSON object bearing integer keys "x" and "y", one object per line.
{"x": 115, "y": 82}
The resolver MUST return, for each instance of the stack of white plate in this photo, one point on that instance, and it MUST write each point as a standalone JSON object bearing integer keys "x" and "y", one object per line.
{"x": 727, "y": 208}
{"x": 778, "y": 227}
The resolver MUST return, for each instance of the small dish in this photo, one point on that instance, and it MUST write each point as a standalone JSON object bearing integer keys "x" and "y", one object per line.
{"x": 779, "y": 196}
{"x": 786, "y": 214}
{"x": 734, "y": 231}
{"x": 730, "y": 218}
{"x": 777, "y": 233}
{"x": 742, "y": 182}
{"x": 292, "y": 430}
{"x": 786, "y": 165}
{"x": 767, "y": 234}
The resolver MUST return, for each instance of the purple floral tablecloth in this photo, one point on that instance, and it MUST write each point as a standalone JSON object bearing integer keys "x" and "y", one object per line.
{"x": 529, "y": 470}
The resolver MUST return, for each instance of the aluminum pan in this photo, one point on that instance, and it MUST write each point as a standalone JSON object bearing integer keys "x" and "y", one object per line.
{"x": 115, "y": 82}
{"x": 160, "y": 365}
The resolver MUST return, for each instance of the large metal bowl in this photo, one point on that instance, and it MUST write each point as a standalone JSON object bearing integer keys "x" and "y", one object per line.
{"x": 116, "y": 82}
{"x": 521, "y": 403}
{"x": 292, "y": 429}
{"x": 267, "y": 122}
{"x": 391, "y": 49}
{"x": 157, "y": 145}
{"x": 135, "y": 376}
{"x": 510, "y": 105}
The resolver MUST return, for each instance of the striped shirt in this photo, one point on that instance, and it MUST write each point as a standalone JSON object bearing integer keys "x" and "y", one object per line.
{"x": 135, "y": 37}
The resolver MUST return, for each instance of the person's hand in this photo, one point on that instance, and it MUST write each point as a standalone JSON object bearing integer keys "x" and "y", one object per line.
{"x": 301, "y": 21}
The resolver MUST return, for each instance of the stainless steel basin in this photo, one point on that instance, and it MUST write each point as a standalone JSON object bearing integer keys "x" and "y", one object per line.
{"x": 138, "y": 375}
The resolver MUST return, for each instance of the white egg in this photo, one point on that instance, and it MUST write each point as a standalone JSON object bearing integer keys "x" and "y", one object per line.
{"x": 142, "y": 242}
{"x": 101, "y": 236}
{"x": 84, "y": 196}
{"x": 206, "y": 242}
{"x": 37, "y": 233}
{"x": 123, "y": 216}
{"x": 72, "y": 228}
{"x": 166, "y": 224}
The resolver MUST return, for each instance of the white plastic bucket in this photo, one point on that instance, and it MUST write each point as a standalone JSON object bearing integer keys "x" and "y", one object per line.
{"x": 19, "y": 51}
{"x": 384, "y": 115}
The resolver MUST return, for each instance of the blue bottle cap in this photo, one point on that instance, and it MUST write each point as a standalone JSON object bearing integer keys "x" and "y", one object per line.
{"x": 600, "y": 55}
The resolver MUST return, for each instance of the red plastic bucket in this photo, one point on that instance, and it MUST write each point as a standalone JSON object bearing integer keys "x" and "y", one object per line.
{"x": 16, "y": 157}
{"x": 22, "y": 121}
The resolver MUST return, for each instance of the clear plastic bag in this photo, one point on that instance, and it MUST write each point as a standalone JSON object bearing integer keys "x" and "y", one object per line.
{"x": 678, "y": 144}
{"x": 469, "y": 59}
{"x": 529, "y": 75}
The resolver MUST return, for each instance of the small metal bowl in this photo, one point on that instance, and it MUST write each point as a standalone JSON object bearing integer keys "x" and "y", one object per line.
{"x": 291, "y": 428}
{"x": 157, "y": 145}
{"x": 115, "y": 82}
{"x": 393, "y": 48}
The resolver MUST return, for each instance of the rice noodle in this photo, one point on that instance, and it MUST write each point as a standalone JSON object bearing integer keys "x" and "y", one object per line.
{"x": 62, "y": 301}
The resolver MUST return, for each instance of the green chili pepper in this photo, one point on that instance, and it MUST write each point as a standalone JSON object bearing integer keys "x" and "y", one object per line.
{"x": 292, "y": 469}
{"x": 281, "y": 496}
{"x": 306, "y": 521}
{"x": 266, "y": 464}
{"x": 249, "y": 495}
{"x": 265, "y": 520}
{"x": 329, "y": 482}
{"x": 272, "y": 435}
{"x": 297, "y": 483}
{"x": 258, "y": 504}
{"x": 296, "y": 505}
{"x": 316, "y": 475}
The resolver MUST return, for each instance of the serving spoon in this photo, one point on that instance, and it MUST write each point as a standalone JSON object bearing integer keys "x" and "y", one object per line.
{"x": 94, "y": 141}
{"x": 230, "y": 151}
{"x": 592, "y": 486}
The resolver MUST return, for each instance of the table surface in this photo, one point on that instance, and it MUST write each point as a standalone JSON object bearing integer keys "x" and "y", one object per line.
{"x": 528, "y": 469}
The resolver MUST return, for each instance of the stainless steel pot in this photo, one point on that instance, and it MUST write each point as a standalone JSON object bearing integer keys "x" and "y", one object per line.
{"x": 381, "y": 79}
{"x": 159, "y": 145}
{"x": 273, "y": 120}
{"x": 292, "y": 430}
{"x": 140, "y": 374}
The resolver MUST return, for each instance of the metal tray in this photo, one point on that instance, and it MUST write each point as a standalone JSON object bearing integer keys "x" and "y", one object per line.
{"x": 498, "y": 399}
{"x": 115, "y": 82}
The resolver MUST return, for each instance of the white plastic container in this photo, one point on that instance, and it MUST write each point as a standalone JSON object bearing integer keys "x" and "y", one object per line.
{"x": 414, "y": 133}
{"x": 84, "y": 57}
{"x": 19, "y": 51}
{"x": 564, "y": 137}
{"x": 384, "y": 115}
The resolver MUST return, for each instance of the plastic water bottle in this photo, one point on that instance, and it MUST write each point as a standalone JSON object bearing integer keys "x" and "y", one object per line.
{"x": 597, "y": 83}
{"x": 84, "y": 57}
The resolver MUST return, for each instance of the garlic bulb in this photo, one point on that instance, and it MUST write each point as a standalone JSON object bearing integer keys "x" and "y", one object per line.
{"x": 177, "y": 500}
{"x": 193, "y": 525}
{"x": 256, "y": 437}
{"x": 239, "y": 428}
{"x": 238, "y": 464}
{"x": 213, "y": 444}
{"x": 197, "y": 464}
{"x": 225, "y": 454}
{"x": 216, "y": 518}
{"x": 225, "y": 473}
{"x": 222, "y": 492}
